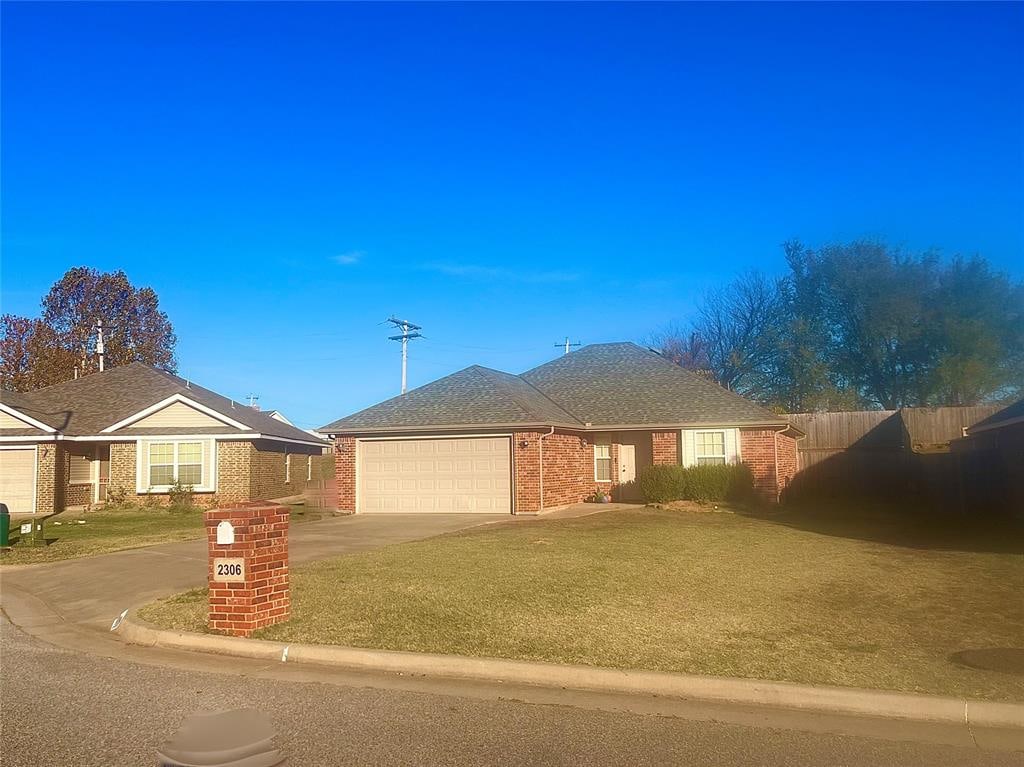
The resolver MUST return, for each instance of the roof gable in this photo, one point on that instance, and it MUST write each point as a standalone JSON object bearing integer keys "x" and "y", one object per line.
{"x": 621, "y": 384}
{"x": 602, "y": 385}
{"x": 475, "y": 396}
{"x": 177, "y": 411}
{"x": 104, "y": 402}
{"x": 13, "y": 419}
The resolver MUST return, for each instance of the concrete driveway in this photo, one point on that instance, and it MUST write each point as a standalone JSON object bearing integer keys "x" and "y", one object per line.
{"x": 88, "y": 593}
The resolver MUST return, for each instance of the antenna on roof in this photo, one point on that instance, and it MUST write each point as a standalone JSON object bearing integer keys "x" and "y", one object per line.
{"x": 567, "y": 345}
{"x": 253, "y": 399}
{"x": 408, "y": 333}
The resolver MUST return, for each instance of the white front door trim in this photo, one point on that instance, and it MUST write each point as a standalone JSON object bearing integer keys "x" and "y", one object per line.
{"x": 627, "y": 463}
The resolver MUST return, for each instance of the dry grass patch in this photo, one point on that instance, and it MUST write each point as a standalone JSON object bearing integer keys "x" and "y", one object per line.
{"x": 104, "y": 531}
{"x": 114, "y": 529}
{"x": 846, "y": 603}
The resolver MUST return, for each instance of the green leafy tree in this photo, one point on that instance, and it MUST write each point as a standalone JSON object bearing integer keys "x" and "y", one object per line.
{"x": 976, "y": 329}
{"x": 861, "y": 324}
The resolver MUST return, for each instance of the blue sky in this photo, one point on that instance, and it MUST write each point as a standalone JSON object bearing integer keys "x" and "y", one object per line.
{"x": 287, "y": 176}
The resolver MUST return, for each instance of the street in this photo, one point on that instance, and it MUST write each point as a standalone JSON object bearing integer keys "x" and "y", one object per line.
{"x": 66, "y": 707}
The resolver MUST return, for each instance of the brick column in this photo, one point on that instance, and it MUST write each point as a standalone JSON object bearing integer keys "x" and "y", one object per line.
{"x": 49, "y": 478}
{"x": 248, "y": 578}
{"x": 758, "y": 448}
{"x": 665, "y": 447}
{"x": 345, "y": 472}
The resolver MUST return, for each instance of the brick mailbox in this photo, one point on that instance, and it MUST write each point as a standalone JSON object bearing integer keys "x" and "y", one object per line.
{"x": 248, "y": 567}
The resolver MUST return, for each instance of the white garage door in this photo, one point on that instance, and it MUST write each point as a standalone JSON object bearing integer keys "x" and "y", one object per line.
{"x": 466, "y": 474}
{"x": 18, "y": 480}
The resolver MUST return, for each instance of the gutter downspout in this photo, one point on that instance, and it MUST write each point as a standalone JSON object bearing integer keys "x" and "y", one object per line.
{"x": 540, "y": 447}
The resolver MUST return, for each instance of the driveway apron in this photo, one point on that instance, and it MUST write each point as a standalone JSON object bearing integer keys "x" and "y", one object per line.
{"x": 90, "y": 592}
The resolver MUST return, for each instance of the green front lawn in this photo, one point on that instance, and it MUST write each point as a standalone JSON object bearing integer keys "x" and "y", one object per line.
{"x": 801, "y": 597}
{"x": 108, "y": 530}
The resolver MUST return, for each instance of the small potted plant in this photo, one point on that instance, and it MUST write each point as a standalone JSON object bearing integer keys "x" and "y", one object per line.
{"x": 600, "y": 497}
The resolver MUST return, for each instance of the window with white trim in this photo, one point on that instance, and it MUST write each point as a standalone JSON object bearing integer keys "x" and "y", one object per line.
{"x": 287, "y": 468}
{"x": 170, "y": 461}
{"x": 709, "y": 447}
{"x": 603, "y": 463}
{"x": 309, "y": 468}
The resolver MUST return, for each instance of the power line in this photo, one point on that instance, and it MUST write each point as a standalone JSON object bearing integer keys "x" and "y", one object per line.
{"x": 567, "y": 345}
{"x": 408, "y": 333}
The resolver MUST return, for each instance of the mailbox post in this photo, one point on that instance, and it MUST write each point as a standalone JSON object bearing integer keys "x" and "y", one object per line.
{"x": 248, "y": 567}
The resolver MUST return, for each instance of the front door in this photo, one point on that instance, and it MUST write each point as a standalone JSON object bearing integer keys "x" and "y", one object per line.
{"x": 101, "y": 469}
{"x": 627, "y": 473}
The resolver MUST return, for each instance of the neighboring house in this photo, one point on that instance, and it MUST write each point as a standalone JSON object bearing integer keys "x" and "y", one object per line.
{"x": 991, "y": 458}
{"x": 485, "y": 441}
{"x": 131, "y": 432}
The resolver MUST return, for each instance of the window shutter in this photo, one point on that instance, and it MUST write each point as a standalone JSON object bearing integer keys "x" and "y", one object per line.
{"x": 209, "y": 462}
{"x": 142, "y": 467}
{"x": 731, "y": 453}
{"x": 689, "y": 449}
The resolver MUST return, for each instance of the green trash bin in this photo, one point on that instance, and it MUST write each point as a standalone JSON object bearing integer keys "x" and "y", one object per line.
{"x": 5, "y": 525}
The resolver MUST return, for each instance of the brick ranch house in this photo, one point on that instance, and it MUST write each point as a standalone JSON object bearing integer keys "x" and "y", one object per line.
{"x": 481, "y": 440}
{"x": 130, "y": 431}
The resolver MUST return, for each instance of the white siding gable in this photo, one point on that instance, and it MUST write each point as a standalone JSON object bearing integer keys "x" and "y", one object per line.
{"x": 8, "y": 421}
{"x": 177, "y": 414}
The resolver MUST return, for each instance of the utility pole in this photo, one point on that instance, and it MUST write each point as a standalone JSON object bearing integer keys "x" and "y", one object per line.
{"x": 408, "y": 333}
{"x": 567, "y": 345}
{"x": 99, "y": 342}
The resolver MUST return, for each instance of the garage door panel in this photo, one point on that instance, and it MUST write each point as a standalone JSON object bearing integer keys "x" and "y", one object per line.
{"x": 18, "y": 480}
{"x": 467, "y": 474}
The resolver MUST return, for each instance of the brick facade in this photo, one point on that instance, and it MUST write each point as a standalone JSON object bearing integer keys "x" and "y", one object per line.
{"x": 786, "y": 452}
{"x": 122, "y": 470}
{"x": 345, "y": 472}
{"x": 49, "y": 478}
{"x": 234, "y": 478}
{"x": 78, "y": 495}
{"x": 245, "y": 471}
{"x": 268, "y": 476}
{"x": 772, "y": 460}
{"x": 569, "y": 470}
{"x": 261, "y": 540}
{"x": 665, "y": 447}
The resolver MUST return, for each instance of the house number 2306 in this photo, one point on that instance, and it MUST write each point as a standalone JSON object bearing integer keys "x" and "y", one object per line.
{"x": 228, "y": 569}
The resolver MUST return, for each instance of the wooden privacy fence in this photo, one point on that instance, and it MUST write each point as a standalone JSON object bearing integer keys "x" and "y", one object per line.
{"x": 900, "y": 455}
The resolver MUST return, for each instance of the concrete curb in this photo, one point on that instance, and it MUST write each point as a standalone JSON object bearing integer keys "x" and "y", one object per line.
{"x": 972, "y": 715}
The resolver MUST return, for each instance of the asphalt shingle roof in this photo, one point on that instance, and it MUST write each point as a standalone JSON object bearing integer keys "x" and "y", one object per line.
{"x": 88, "y": 405}
{"x": 475, "y": 396}
{"x": 1001, "y": 417}
{"x": 601, "y": 385}
{"x": 623, "y": 384}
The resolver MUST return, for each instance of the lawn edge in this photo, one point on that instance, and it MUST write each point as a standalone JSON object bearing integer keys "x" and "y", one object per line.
{"x": 1004, "y": 720}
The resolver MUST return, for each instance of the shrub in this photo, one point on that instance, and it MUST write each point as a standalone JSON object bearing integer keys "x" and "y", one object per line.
{"x": 179, "y": 497}
{"x": 117, "y": 495}
{"x": 662, "y": 484}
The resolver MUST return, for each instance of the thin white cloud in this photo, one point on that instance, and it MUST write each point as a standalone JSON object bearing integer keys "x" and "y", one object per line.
{"x": 479, "y": 272}
{"x": 349, "y": 257}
